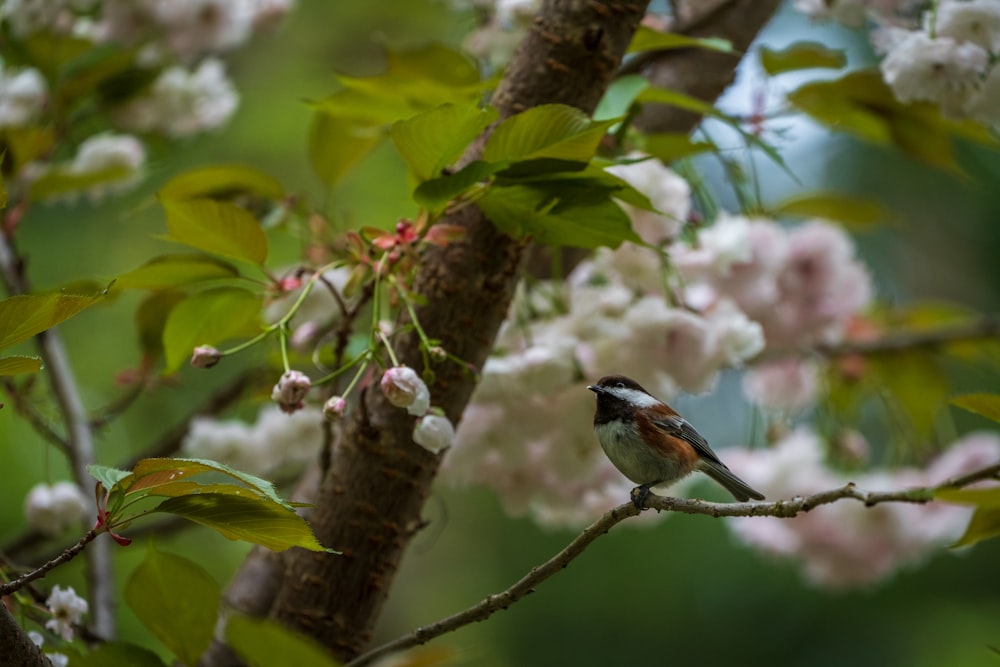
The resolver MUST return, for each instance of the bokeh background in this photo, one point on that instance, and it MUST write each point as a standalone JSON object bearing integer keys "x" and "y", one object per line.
{"x": 677, "y": 591}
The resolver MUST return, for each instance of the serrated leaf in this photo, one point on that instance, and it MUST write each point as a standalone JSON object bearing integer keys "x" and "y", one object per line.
{"x": 336, "y": 145}
{"x": 552, "y": 131}
{"x": 266, "y": 643}
{"x": 257, "y": 520}
{"x": 577, "y": 217}
{"x": 222, "y": 181}
{"x": 854, "y": 212}
{"x": 177, "y": 600}
{"x": 434, "y": 139}
{"x": 113, "y": 653}
{"x": 209, "y": 318}
{"x": 801, "y": 55}
{"x": 987, "y": 405}
{"x": 220, "y": 228}
{"x": 107, "y": 476}
{"x": 435, "y": 194}
{"x": 18, "y": 365}
{"x": 985, "y": 523}
{"x": 672, "y": 146}
{"x": 153, "y": 472}
{"x": 986, "y": 498}
{"x": 647, "y": 39}
{"x": 174, "y": 270}
{"x": 22, "y": 317}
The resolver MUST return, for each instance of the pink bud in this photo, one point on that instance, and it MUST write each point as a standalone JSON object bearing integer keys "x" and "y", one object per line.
{"x": 205, "y": 356}
{"x": 334, "y": 408}
{"x": 404, "y": 389}
{"x": 291, "y": 390}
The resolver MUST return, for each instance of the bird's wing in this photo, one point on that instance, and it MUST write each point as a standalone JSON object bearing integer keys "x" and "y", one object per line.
{"x": 677, "y": 426}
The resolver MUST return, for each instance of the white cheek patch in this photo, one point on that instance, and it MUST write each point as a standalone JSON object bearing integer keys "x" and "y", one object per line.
{"x": 639, "y": 399}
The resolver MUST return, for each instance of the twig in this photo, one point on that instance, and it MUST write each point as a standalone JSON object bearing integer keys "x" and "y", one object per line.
{"x": 982, "y": 328}
{"x": 781, "y": 508}
{"x": 79, "y": 437}
{"x": 69, "y": 554}
{"x": 35, "y": 419}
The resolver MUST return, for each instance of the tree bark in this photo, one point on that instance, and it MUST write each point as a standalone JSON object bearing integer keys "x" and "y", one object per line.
{"x": 370, "y": 501}
{"x": 16, "y": 648}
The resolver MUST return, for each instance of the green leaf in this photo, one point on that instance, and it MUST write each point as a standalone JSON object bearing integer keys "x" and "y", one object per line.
{"x": 855, "y": 212}
{"x": 801, "y": 55}
{"x": 151, "y": 319}
{"x": 647, "y": 39}
{"x": 155, "y": 472}
{"x": 221, "y": 182}
{"x": 209, "y": 318}
{"x": 257, "y": 520}
{"x": 620, "y": 96}
{"x": 553, "y": 131}
{"x": 672, "y": 146}
{"x": 18, "y": 365}
{"x": 567, "y": 216}
{"x": 434, "y": 139}
{"x": 861, "y": 104}
{"x": 336, "y": 145}
{"x": 983, "y": 498}
{"x": 26, "y": 144}
{"x": 266, "y": 643}
{"x": 436, "y": 193}
{"x": 987, "y": 405}
{"x": 113, "y": 653}
{"x": 177, "y": 600}
{"x": 917, "y": 383}
{"x": 985, "y": 523}
{"x": 22, "y": 317}
{"x": 174, "y": 270}
{"x": 220, "y": 228}
{"x": 107, "y": 476}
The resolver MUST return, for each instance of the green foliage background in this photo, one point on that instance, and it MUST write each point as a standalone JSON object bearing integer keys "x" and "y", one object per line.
{"x": 680, "y": 591}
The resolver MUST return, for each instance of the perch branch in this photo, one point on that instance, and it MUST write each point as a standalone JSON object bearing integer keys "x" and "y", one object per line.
{"x": 781, "y": 508}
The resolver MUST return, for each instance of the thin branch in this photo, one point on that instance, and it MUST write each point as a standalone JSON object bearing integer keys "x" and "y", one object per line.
{"x": 26, "y": 409}
{"x": 100, "y": 578}
{"x": 781, "y": 508}
{"x": 69, "y": 554}
{"x": 983, "y": 328}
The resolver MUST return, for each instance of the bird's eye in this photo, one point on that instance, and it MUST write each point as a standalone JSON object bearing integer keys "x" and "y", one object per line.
{"x": 620, "y": 385}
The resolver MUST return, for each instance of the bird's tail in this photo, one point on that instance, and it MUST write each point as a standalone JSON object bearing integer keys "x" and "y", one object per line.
{"x": 724, "y": 476}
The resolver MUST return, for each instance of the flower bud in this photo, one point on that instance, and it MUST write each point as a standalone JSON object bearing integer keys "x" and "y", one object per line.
{"x": 205, "y": 356}
{"x": 291, "y": 390}
{"x": 334, "y": 408}
{"x": 438, "y": 353}
{"x": 54, "y": 509}
{"x": 434, "y": 433}
{"x": 404, "y": 389}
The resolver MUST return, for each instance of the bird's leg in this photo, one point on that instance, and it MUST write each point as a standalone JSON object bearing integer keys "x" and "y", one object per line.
{"x": 640, "y": 494}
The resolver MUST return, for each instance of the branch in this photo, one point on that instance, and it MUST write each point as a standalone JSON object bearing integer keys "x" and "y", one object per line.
{"x": 79, "y": 437}
{"x": 784, "y": 509}
{"x": 39, "y": 572}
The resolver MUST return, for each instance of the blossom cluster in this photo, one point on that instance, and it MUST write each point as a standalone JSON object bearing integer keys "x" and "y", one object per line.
{"x": 672, "y": 319}
{"x": 276, "y": 441}
{"x": 945, "y": 56}
{"x": 846, "y": 544}
{"x": 176, "y": 45}
{"x": 52, "y": 509}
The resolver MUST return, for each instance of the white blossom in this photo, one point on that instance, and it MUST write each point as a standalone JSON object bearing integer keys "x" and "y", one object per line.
{"x": 667, "y": 192}
{"x": 67, "y": 608}
{"x": 434, "y": 432}
{"x": 942, "y": 70}
{"x": 181, "y": 103}
{"x": 973, "y": 21}
{"x": 23, "y": 94}
{"x": 54, "y": 509}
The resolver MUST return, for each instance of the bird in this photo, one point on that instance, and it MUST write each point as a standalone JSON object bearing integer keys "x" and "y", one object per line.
{"x": 651, "y": 444}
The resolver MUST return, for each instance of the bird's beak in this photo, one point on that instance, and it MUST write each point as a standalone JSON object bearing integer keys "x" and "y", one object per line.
{"x": 594, "y": 388}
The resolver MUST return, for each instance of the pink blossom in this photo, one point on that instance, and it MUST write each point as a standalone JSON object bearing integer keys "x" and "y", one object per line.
{"x": 334, "y": 408}
{"x": 205, "y": 356}
{"x": 786, "y": 384}
{"x": 404, "y": 389}
{"x": 845, "y": 544}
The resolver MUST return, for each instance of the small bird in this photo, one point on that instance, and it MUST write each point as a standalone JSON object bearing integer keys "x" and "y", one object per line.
{"x": 651, "y": 444}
